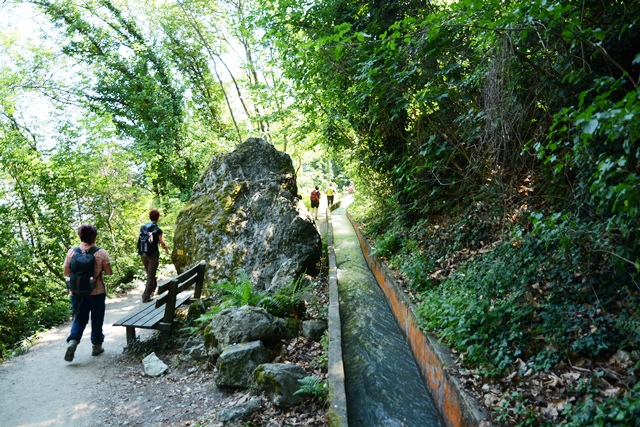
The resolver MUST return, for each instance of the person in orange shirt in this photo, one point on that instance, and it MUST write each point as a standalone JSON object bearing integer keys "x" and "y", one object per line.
{"x": 92, "y": 305}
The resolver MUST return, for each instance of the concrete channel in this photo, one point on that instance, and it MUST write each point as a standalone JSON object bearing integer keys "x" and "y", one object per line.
{"x": 455, "y": 407}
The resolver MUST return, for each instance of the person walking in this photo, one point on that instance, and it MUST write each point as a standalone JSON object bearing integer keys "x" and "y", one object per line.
{"x": 92, "y": 305}
{"x": 150, "y": 237}
{"x": 315, "y": 202}
{"x": 330, "y": 192}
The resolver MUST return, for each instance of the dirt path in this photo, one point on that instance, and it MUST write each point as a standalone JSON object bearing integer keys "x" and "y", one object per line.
{"x": 41, "y": 389}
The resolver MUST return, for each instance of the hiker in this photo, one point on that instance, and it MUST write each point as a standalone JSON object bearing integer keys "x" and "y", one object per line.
{"x": 150, "y": 237}
{"x": 330, "y": 195}
{"x": 92, "y": 304}
{"x": 315, "y": 202}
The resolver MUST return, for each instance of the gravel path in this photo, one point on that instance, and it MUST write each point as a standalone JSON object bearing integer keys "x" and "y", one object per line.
{"x": 40, "y": 388}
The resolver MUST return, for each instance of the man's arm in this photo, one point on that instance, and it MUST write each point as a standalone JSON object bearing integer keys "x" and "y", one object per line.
{"x": 163, "y": 244}
{"x": 106, "y": 268}
{"x": 66, "y": 270}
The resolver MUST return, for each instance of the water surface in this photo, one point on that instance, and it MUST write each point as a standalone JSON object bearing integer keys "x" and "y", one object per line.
{"x": 382, "y": 380}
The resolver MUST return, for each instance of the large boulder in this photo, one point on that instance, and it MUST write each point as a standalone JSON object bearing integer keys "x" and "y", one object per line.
{"x": 243, "y": 324}
{"x": 245, "y": 213}
{"x": 279, "y": 382}
{"x": 235, "y": 366}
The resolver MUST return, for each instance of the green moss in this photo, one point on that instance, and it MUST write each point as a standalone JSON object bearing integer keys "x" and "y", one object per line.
{"x": 210, "y": 340}
{"x": 292, "y": 324}
{"x": 266, "y": 381}
{"x": 334, "y": 419}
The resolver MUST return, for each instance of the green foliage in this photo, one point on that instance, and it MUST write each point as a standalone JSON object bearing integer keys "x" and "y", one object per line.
{"x": 599, "y": 142}
{"x": 285, "y": 302}
{"x": 133, "y": 85}
{"x": 235, "y": 293}
{"x": 534, "y": 300}
{"x": 50, "y": 186}
{"x": 315, "y": 387}
{"x": 618, "y": 411}
{"x": 322, "y": 361}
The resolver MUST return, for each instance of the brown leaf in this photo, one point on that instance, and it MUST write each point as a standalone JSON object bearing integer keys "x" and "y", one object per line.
{"x": 621, "y": 359}
{"x": 612, "y": 392}
{"x": 552, "y": 380}
{"x": 573, "y": 376}
{"x": 554, "y": 408}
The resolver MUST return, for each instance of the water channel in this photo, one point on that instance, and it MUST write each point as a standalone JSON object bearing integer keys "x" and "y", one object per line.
{"x": 382, "y": 381}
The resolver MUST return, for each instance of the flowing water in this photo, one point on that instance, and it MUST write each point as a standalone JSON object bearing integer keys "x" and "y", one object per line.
{"x": 382, "y": 381}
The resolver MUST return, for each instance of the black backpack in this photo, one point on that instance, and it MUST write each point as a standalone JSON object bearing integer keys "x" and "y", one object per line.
{"x": 148, "y": 239}
{"x": 82, "y": 282}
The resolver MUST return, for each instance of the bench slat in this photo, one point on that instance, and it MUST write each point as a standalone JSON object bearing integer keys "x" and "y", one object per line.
{"x": 164, "y": 287}
{"x": 148, "y": 317}
{"x": 136, "y": 314}
{"x": 157, "y": 316}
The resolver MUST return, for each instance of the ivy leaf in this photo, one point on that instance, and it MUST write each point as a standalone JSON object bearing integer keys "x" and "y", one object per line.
{"x": 598, "y": 34}
{"x": 590, "y": 127}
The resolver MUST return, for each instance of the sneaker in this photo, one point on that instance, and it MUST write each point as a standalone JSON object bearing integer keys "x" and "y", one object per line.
{"x": 71, "y": 350}
{"x": 145, "y": 299}
{"x": 97, "y": 350}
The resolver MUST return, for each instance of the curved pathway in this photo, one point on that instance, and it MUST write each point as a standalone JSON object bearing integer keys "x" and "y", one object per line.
{"x": 40, "y": 389}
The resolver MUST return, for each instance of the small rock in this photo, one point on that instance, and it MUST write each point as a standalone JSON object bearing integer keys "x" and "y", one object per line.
{"x": 314, "y": 329}
{"x": 153, "y": 366}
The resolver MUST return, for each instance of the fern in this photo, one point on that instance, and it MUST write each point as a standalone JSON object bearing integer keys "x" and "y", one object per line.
{"x": 237, "y": 292}
{"x": 315, "y": 387}
{"x": 286, "y": 302}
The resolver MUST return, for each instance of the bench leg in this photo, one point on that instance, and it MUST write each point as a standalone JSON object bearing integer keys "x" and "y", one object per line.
{"x": 131, "y": 334}
{"x": 164, "y": 337}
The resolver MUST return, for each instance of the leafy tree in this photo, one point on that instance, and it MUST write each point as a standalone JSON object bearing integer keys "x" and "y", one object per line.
{"x": 133, "y": 84}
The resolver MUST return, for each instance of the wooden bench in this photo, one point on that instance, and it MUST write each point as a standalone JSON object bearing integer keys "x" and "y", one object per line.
{"x": 159, "y": 313}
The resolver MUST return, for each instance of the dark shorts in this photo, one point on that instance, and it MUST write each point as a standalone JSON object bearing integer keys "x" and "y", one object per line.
{"x": 315, "y": 204}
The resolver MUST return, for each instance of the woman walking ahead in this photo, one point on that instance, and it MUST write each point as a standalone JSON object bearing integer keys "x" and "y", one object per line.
{"x": 93, "y": 304}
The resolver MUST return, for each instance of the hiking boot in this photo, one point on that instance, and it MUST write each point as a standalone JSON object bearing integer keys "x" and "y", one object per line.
{"x": 97, "y": 350}
{"x": 71, "y": 350}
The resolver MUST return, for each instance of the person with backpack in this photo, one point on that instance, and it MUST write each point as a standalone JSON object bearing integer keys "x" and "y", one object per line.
{"x": 84, "y": 267}
{"x": 330, "y": 192}
{"x": 148, "y": 240}
{"x": 315, "y": 202}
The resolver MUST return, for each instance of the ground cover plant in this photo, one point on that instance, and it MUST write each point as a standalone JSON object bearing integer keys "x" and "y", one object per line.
{"x": 544, "y": 324}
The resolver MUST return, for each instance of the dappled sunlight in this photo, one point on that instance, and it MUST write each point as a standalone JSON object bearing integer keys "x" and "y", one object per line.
{"x": 55, "y": 334}
{"x": 80, "y": 409}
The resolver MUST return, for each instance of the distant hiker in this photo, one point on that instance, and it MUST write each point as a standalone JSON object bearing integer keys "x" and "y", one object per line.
{"x": 351, "y": 188}
{"x": 315, "y": 202}
{"x": 330, "y": 195}
{"x": 148, "y": 240}
{"x": 88, "y": 294}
